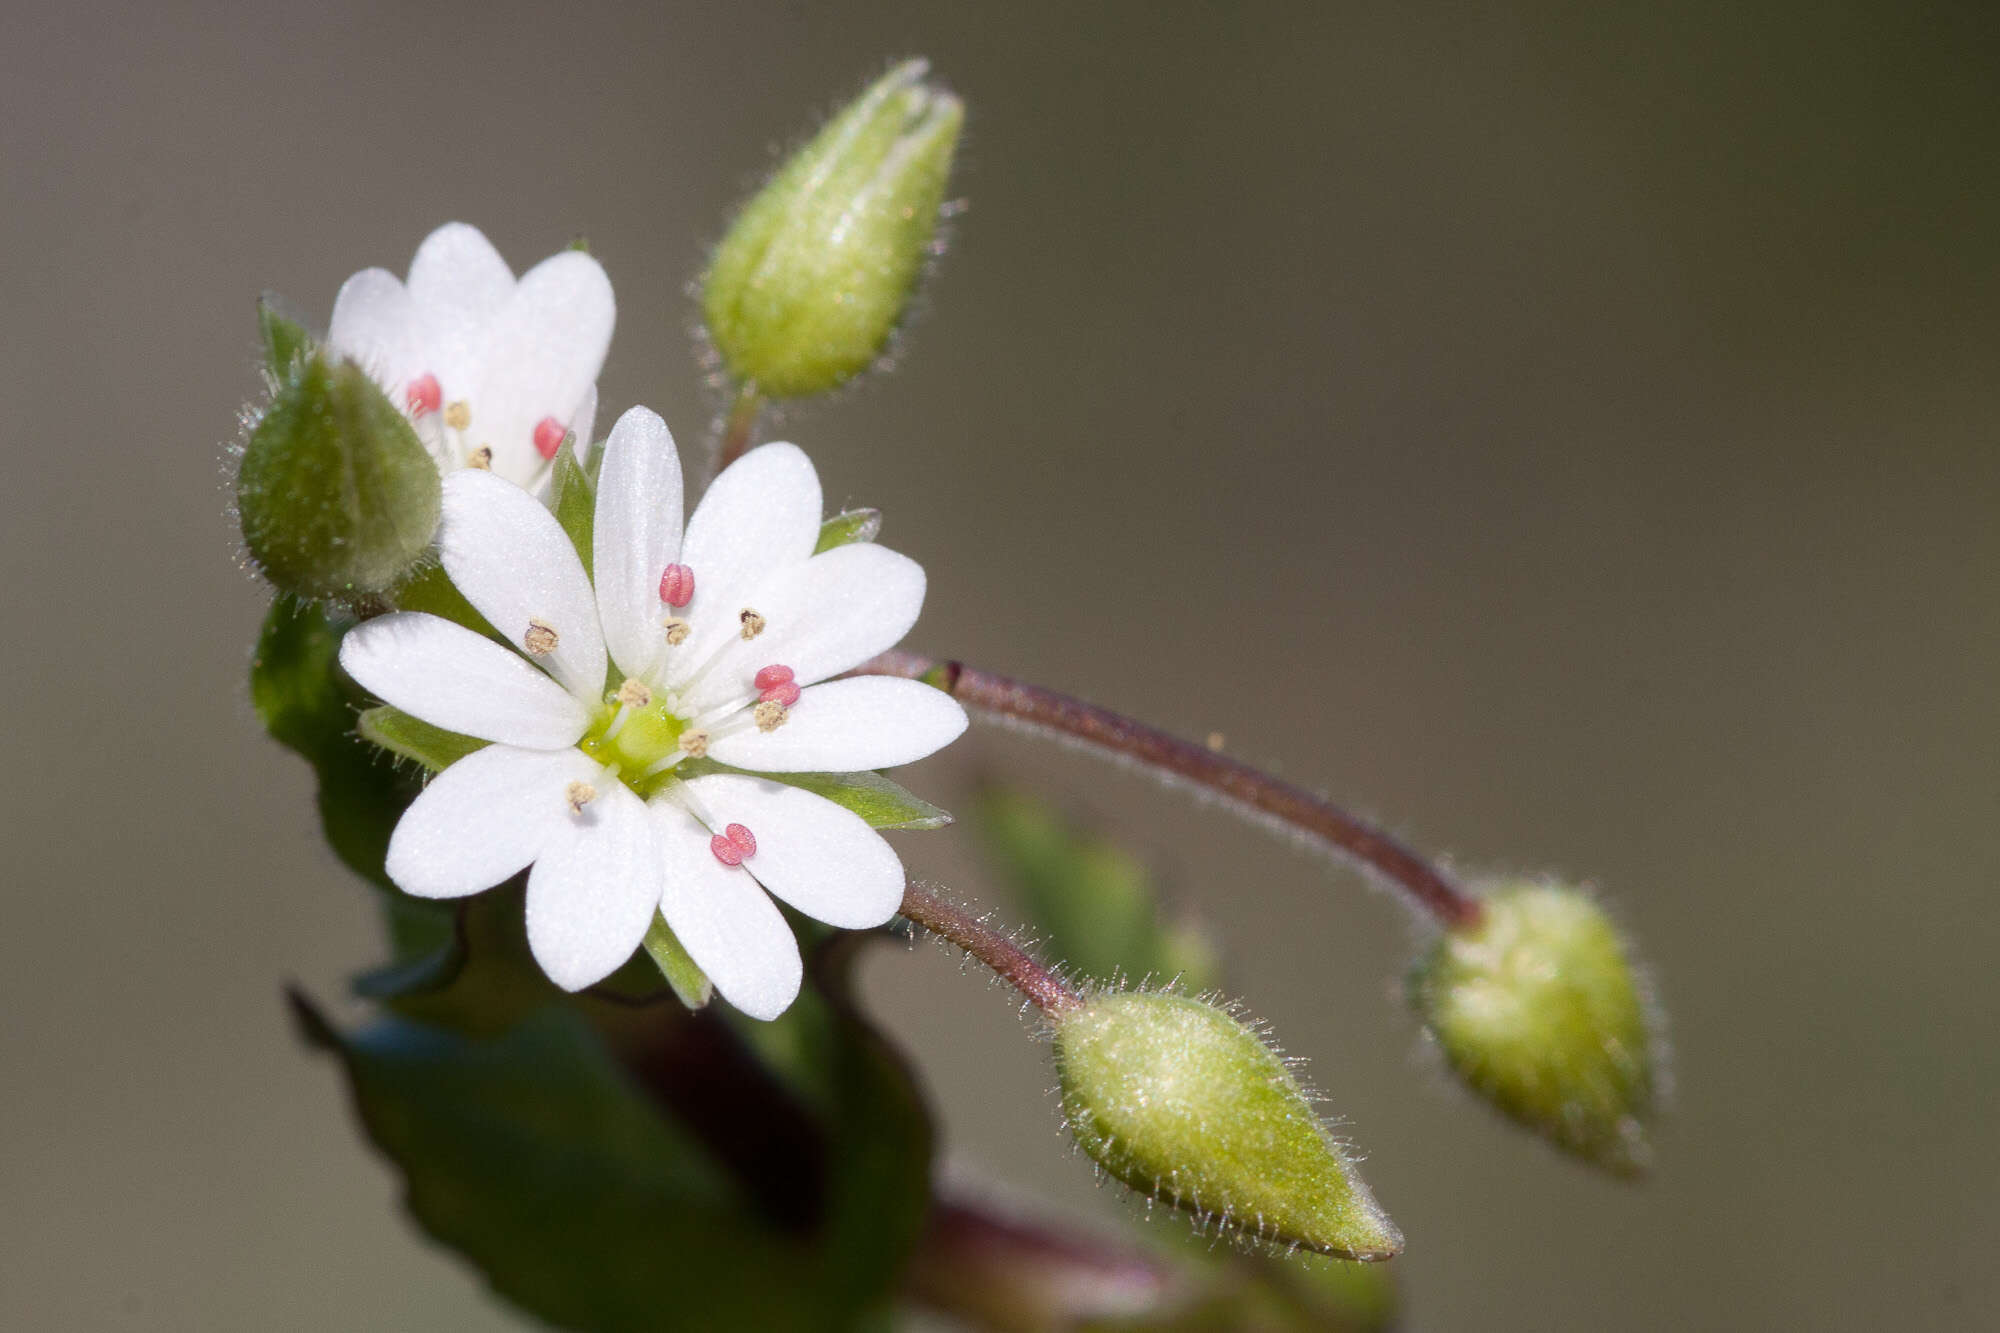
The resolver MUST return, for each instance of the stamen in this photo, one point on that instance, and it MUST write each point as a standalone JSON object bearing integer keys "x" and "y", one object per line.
{"x": 540, "y": 640}
{"x": 423, "y": 395}
{"x": 774, "y": 674}
{"x": 481, "y": 458}
{"x": 634, "y": 692}
{"x": 677, "y": 631}
{"x": 579, "y": 794}
{"x": 784, "y": 694}
{"x": 459, "y": 415}
{"x": 770, "y": 715}
{"x": 753, "y": 624}
{"x": 745, "y": 840}
{"x": 725, "y": 851}
{"x": 677, "y": 586}
{"x": 549, "y": 435}
{"x": 694, "y": 744}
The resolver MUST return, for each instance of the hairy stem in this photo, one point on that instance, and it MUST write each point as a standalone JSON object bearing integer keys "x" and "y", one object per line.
{"x": 740, "y": 426}
{"x": 1009, "y": 961}
{"x": 1320, "y": 819}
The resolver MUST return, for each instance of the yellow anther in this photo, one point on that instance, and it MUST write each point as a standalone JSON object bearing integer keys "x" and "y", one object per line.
{"x": 770, "y": 715}
{"x": 579, "y": 794}
{"x": 753, "y": 624}
{"x": 458, "y": 415}
{"x": 634, "y": 692}
{"x": 540, "y": 640}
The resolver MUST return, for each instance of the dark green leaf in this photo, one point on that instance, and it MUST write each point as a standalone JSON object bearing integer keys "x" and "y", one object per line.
{"x": 308, "y": 705}
{"x": 856, "y": 525}
{"x": 413, "y": 738}
{"x": 532, "y": 1155}
{"x": 1094, "y": 900}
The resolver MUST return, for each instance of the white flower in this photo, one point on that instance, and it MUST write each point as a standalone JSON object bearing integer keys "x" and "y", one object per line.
{"x": 719, "y": 638}
{"x": 493, "y": 372}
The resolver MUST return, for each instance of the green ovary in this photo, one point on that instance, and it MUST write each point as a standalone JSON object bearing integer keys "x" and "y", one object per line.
{"x": 646, "y": 736}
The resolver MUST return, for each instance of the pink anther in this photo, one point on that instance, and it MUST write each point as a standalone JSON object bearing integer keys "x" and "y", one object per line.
{"x": 775, "y": 674}
{"x": 784, "y": 694}
{"x": 744, "y": 840}
{"x": 549, "y": 435}
{"x": 677, "y": 586}
{"x": 424, "y": 395}
{"x": 725, "y": 851}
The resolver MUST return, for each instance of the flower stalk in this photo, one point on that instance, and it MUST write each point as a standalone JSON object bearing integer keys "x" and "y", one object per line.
{"x": 1014, "y": 965}
{"x": 1248, "y": 788}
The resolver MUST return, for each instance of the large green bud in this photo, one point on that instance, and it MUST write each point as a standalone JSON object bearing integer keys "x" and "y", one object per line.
{"x": 813, "y": 277}
{"x": 337, "y": 496}
{"x": 1538, "y": 1008}
{"x": 1187, "y": 1105}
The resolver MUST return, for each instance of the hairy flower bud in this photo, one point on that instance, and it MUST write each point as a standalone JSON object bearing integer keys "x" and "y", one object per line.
{"x": 813, "y": 277}
{"x": 1537, "y": 1007}
{"x": 1187, "y": 1105}
{"x": 336, "y": 495}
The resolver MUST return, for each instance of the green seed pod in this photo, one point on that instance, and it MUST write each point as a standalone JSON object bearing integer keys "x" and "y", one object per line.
{"x": 814, "y": 275}
{"x": 336, "y": 495}
{"x": 1538, "y": 1008}
{"x": 1188, "y": 1106}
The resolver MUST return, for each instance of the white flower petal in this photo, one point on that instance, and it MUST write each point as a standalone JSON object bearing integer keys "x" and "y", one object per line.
{"x": 374, "y": 325}
{"x": 544, "y": 352}
{"x": 761, "y": 515}
{"x": 845, "y": 726}
{"x": 461, "y": 681}
{"x": 483, "y": 819}
{"x": 458, "y": 286}
{"x": 637, "y": 535}
{"x": 513, "y": 561}
{"x": 825, "y": 616}
{"x": 820, "y": 857}
{"x": 594, "y": 887}
{"x": 728, "y": 925}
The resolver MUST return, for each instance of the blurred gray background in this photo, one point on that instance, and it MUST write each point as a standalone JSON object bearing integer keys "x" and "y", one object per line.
{"x": 1566, "y": 432}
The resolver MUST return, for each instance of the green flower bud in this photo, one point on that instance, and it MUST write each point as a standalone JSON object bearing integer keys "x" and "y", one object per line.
{"x": 1188, "y": 1106}
{"x": 1537, "y": 1007}
{"x": 812, "y": 278}
{"x": 336, "y": 495}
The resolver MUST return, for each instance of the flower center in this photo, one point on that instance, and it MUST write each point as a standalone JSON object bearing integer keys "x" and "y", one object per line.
{"x": 633, "y": 737}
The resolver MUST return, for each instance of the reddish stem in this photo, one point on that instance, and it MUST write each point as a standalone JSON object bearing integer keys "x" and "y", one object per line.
{"x": 740, "y": 426}
{"x": 1246, "y": 786}
{"x": 1009, "y": 961}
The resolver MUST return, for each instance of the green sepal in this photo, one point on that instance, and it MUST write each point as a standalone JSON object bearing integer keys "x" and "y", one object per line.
{"x": 689, "y": 983}
{"x": 411, "y": 737}
{"x": 814, "y": 274}
{"x": 1178, "y": 1099}
{"x": 337, "y": 497}
{"x": 286, "y": 342}
{"x": 573, "y": 499}
{"x": 429, "y": 589}
{"x": 1093, "y": 900}
{"x": 856, "y": 525}
{"x": 531, "y": 1153}
{"x": 1538, "y": 1008}
{"x": 884, "y": 804}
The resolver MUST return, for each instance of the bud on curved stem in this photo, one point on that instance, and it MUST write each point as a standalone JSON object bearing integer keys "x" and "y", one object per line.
{"x": 336, "y": 495}
{"x": 813, "y": 276}
{"x": 1538, "y": 1009}
{"x": 1187, "y": 1105}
